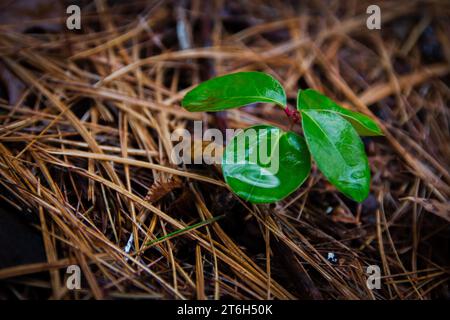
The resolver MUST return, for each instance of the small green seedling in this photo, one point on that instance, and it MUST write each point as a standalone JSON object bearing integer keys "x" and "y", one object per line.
{"x": 331, "y": 136}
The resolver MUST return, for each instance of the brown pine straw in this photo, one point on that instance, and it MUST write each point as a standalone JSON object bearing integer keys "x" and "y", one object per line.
{"x": 85, "y": 150}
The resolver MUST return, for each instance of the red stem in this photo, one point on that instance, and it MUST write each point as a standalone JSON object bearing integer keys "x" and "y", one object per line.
{"x": 292, "y": 114}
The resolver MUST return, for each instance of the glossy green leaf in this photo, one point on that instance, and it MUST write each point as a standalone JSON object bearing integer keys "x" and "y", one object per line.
{"x": 234, "y": 90}
{"x": 338, "y": 151}
{"x": 311, "y": 99}
{"x": 263, "y": 164}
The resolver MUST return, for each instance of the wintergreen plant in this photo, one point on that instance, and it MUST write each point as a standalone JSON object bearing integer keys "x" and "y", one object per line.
{"x": 331, "y": 136}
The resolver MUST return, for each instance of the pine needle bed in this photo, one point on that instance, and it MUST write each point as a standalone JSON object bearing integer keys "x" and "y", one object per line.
{"x": 85, "y": 124}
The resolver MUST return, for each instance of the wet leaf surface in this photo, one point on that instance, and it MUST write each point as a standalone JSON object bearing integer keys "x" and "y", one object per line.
{"x": 260, "y": 179}
{"x": 311, "y": 99}
{"x": 234, "y": 90}
{"x": 338, "y": 151}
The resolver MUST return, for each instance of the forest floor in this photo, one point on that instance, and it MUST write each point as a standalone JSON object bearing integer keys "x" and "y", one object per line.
{"x": 86, "y": 178}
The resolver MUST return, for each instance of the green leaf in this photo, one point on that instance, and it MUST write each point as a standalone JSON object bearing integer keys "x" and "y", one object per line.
{"x": 234, "y": 90}
{"x": 264, "y": 164}
{"x": 311, "y": 99}
{"x": 181, "y": 231}
{"x": 338, "y": 152}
